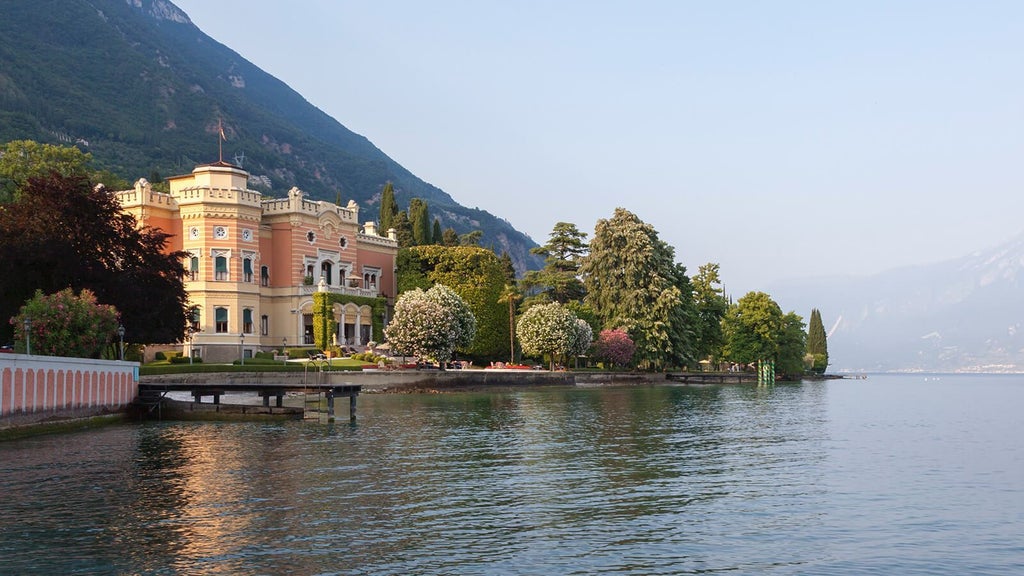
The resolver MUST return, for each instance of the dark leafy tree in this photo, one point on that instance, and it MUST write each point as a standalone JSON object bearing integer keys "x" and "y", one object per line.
{"x": 792, "y": 345}
{"x": 388, "y": 207}
{"x": 450, "y": 237}
{"x": 63, "y": 233}
{"x": 437, "y": 237}
{"x": 756, "y": 329}
{"x": 24, "y": 159}
{"x": 711, "y": 306}
{"x": 509, "y": 266}
{"x": 419, "y": 217}
{"x": 632, "y": 283}
{"x": 817, "y": 343}
{"x": 559, "y": 280}
{"x": 403, "y": 230}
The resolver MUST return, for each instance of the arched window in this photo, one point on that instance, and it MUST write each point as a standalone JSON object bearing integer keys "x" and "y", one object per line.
{"x": 264, "y": 276}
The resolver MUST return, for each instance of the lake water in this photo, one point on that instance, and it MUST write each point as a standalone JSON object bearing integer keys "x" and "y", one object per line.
{"x": 889, "y": 475}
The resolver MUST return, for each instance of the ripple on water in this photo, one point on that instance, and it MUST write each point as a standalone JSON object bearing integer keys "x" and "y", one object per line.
{"x": 817, "y": 478}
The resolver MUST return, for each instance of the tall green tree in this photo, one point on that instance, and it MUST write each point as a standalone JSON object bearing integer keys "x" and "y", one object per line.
{"x": 403, "y": 230}
{"x": 388, "y": 207}
{"x": 437, "y": 236}
{"x": 756, "y": 329}
{"x": 63, "y": 232}
{"x": 711, "y": 305}
{"x": 477, "y": 276}
{"x": 510, "y": 295}
{"x": 632, "y": 282}
{"x": 508, "y": 267}
{"x": 817, "y": 343}
{"x": 559, "y": 280}
{"x": 792, "y": 346}
{"x": 24, "y": 159}
{"x": 419, "y": 217}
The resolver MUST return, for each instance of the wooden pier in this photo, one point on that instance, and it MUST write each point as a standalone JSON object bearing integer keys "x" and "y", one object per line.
{"x": 152, "y": 394}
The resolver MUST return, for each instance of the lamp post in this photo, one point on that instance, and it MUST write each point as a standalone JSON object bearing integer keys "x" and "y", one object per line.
{"x": 28, "y": 336}
{"x": 191, "y": 344}
{"x": 241, "y": 346}
{"x": 120, "y": 336}
{"x": 284, "y": 349}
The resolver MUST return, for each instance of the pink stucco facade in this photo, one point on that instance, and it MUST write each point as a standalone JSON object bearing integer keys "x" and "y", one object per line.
{"x": 41, "y": 387}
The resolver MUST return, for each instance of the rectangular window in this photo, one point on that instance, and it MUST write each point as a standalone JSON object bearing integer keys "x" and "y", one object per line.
{"x": 221, "y": 317}
{"x": 264, "y": 325}
{"x": 247, "y": 270}
{"x": 247, "y": 320}
{"x": 193, "y": 269}
{"x": 221, "y": 268}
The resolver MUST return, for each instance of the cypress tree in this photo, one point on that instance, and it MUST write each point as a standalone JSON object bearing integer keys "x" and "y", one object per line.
{"x": 508, "y": 267}
{"x": 817, "y": 342}
{"x": 419, "y": 217}
{"x": 437, "y": 236}
{"x": 388, "y": 208}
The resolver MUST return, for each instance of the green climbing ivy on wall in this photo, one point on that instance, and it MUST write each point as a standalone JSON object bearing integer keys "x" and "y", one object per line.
{"x": 323, "y": 317}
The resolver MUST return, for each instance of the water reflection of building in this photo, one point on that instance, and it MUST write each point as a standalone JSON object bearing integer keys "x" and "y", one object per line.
{"x": 254, "y": 264}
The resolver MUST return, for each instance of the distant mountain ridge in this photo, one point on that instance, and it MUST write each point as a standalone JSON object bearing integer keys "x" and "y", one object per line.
{"x": 138, "y": 85}
{"x": 965, "y": 314}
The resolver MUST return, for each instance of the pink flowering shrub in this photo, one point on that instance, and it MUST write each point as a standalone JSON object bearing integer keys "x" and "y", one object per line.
{"x": 615, "y": 346}
{"x": 63, "y": 324}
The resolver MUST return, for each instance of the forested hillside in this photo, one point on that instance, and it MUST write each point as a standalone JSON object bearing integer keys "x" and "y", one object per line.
{"x": 142, "y": 89}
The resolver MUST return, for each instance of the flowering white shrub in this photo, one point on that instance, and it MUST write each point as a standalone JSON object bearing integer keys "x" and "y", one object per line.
{"x": 431, "y": 324}
{"x": 548, "y": 329}
{"x": 584, "y": 338}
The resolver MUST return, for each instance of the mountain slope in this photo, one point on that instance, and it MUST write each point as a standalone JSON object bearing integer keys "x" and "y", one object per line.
{"x": 962, "y": 314}
{"x": 139, "y": 86}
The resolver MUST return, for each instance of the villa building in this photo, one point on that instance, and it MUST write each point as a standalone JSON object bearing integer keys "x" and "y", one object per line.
{"x": 254, "y": 265}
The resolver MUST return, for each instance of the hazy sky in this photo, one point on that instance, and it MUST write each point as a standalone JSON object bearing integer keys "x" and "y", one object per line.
{"x": 779, "y": 139}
